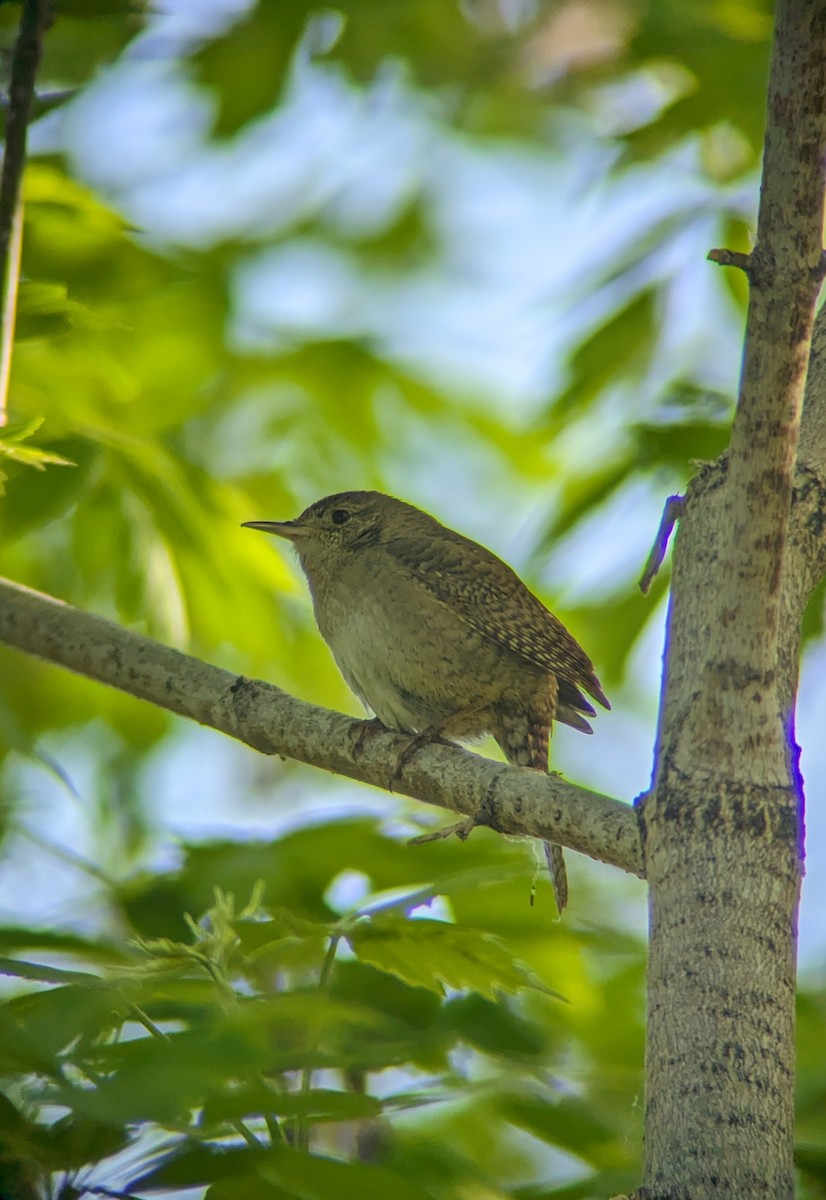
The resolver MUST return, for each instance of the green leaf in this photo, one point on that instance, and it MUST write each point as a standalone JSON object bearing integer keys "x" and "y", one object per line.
{"x": 438, "y": 42}
{"x": 567, "y": 1123}
{"x": 13, "y": 938}
{"x": 246, "y": 67}
{"x": 191, "y": 1164}
{"x": 87, "y": 34}
{"x": 725, "y": 48}
{"x": 290, "y": 1173}
{"x": 496, "y": 1029}
{"x": 310, "y": 1177}
{"x": 812, "y": 1160}
{"x": 19, "y": 1052}
{"x": 435, "y": 955}
{"x": 314, "y": 1106}
{"x": 54, "y": 1018}
{"x": 20, "y": 1154}
{"x": 34, "y": 500}
{"x": 245, "y": 1187}
{"x": 582, "y": 494}
{"x": 13, "y": 450}
{"x": 73, "y": 1142}
{"x": 680, "y": 444}
{"x": 621, "y": 347}
{"x": 418, "y": 1030}
{"x": 452, "y": 884}
{"x": 46, "y": 974}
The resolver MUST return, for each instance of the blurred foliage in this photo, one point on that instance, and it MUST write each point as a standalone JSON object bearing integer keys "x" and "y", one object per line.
{"x": 415, "y": 1045}
{"x": 405, "y": 1052}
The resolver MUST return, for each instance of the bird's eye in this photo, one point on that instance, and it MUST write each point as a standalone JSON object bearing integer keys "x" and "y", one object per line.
{"x": 340, "y": 516}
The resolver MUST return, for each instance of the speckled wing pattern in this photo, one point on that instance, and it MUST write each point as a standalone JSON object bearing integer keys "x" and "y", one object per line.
{"x": 492, "y": 599}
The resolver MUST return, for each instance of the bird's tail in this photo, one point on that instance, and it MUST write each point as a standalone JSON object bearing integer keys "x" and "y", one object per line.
{"x": 559, "y": 876}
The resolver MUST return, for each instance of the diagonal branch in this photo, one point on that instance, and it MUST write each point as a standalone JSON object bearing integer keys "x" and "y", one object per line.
{"x": 512, "y": 800}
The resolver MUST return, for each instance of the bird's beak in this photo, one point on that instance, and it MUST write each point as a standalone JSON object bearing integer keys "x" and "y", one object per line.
{"x": 291, "y": 530}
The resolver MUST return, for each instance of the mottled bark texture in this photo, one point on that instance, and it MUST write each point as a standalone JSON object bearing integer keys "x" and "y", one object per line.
{"x": 723, "y": 825}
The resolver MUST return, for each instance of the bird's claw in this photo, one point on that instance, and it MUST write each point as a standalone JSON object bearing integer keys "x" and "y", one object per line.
{"x": 363, "y": 731}
{"x": 428, "y": 737}
{"x": 462, "y": 829}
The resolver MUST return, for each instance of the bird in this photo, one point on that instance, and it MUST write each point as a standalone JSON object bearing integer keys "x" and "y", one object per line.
{"x": 436, "y": 635}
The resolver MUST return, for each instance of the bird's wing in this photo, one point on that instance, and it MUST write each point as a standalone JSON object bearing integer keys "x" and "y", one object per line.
{"x": 481, "y": 589}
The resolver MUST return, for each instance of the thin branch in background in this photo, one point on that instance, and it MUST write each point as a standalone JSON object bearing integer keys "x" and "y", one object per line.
{"x": 302, "y": 1140}
{"x": 673, "y": 510}
{"x": 731, "y": 258}
{"x": 8, "y": 306}
{"x": 34, "y": 20}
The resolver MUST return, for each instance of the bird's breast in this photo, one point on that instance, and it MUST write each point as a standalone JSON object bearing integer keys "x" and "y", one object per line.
{"x": 408, "y": 657}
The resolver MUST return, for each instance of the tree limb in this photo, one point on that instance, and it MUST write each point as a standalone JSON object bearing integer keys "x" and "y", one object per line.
{"x": 512, "y": 800}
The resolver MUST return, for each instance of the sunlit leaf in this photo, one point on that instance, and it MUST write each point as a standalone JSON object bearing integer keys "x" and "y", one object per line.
{"x": 433, "y": 954}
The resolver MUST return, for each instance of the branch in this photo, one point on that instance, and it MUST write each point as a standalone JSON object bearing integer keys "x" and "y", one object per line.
{"x": 512, "y": 800}
{"x": 731, "y": 258}
{"x": 26, "y": 56}
{"x": 672, "y": 511}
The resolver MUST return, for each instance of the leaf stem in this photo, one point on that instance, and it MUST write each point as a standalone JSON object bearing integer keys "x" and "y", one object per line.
{"x": 302, "y": 1139}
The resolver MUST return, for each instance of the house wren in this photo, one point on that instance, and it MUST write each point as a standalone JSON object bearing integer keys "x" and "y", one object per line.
{"x": 436, "y": 634}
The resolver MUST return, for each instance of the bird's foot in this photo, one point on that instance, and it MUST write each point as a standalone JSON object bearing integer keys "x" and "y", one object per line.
{"x": 364, "y": 730}
{"x": 432, "y": 736}
{"x": 462, "y": 829}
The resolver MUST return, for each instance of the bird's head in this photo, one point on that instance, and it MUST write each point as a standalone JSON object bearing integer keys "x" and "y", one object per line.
{"x": 337, "y": 526}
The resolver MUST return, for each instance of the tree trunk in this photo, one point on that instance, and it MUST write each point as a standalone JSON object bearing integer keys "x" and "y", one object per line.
{"x": 723, "y": 825}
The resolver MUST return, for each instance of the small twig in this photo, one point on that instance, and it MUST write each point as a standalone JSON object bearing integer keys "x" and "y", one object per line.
{"x": 147, "y": 1022}
{"x": 63, "y": 853}
{"x": 673, "y": 510}
{"x": 26, "y": 56}
{"x": 731, "y": 258}
{"x": 8, "y": 307}
{"x": 247, "y": 1134}
{"x": 302, "y": 1124}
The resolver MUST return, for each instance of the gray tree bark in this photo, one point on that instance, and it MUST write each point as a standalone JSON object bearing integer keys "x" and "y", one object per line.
{"x": 723, "y": 825}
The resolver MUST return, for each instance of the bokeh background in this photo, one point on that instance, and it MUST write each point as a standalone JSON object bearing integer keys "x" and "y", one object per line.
{"x": 455, "y": 252}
